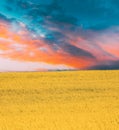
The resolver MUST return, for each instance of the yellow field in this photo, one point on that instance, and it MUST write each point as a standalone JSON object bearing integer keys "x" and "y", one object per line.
{"x": 83, "y": 100}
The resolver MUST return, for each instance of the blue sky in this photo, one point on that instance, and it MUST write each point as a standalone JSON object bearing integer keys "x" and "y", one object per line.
{"x": 94, "y": 14}
{"x": 89, "y": 14}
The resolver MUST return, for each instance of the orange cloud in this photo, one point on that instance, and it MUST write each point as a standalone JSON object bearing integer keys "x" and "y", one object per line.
{"x": 19, "y": 46}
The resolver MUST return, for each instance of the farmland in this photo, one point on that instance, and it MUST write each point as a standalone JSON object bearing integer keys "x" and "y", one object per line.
{"x": 86, "y": 100}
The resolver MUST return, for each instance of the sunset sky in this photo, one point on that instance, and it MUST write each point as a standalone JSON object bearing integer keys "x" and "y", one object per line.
{"x": 44, "y": 35}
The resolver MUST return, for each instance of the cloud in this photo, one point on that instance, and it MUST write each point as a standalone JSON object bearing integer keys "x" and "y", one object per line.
{"x": 6, "y": 19}
{"x": 14, "y": 65}
{"x": 75, "y": 51}
{"x": 70, "y": 48}
{"x": 112, "y": 65}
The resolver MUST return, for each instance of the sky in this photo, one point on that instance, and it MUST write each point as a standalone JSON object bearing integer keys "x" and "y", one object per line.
{"x": 47, "y": 35}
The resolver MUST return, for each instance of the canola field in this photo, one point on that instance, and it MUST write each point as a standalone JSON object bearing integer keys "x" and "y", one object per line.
{"x": 75, "y": 100}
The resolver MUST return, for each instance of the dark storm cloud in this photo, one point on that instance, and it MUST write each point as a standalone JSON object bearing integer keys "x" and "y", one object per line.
{"x": 78, "y": 52}
{"x": 112, "y": 65}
